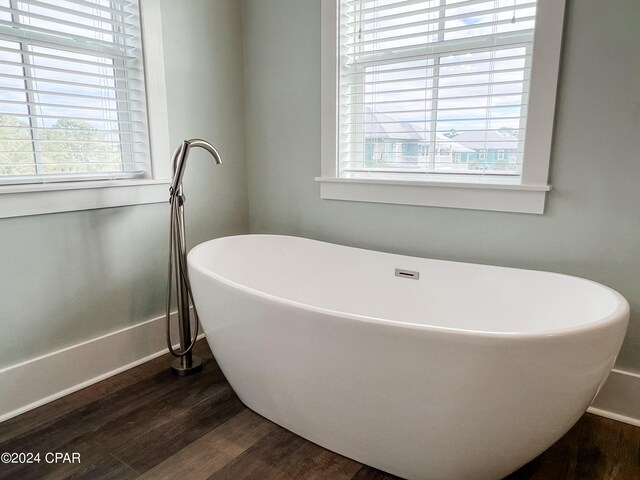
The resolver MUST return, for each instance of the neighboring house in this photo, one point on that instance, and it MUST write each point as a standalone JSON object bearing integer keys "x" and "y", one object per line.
{"x": 397, "y": 145}
{"x": 488, "y": 150}
{"x": 389, "y": 142}
{"x": 393, "y": 144}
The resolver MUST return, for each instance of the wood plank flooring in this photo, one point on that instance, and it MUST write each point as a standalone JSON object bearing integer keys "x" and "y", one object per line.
{"x": 147, "y": 424}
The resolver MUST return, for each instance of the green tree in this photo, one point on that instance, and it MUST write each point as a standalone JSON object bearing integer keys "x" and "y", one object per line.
{"x": 76, "y": 146}
{"x": 68, "y": 146}
{"x": 16, "y": 148}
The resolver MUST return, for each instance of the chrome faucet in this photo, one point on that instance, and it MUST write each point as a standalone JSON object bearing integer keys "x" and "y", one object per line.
{"x": 186, "y": 363}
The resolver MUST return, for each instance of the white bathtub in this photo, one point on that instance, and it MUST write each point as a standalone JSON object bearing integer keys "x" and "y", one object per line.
{"x": 468, "y": 372}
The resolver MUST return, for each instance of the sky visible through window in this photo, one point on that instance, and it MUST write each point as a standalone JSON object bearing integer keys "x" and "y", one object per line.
{"x": 436, "y": 86}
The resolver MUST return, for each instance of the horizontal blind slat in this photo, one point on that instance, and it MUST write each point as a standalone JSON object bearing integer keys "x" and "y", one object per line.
{"x": 442, "y": 131}
{"x": 116, "y": 20}
{"x": 420, "y": 35}
{"x": 88, "y": 152}
{"x": 448, "y": 64}
{"x": 405, "y": 122}
{"x": 49, "y": 38}
{"x": 420, "y": 166}
{"x": 68, "y": 95}
{"x": 129, "y": 132}
{"x": 76, "y": 72}
{"x": 353, "y": 10}
{"x": 430, "y": 173}
{"x": 508, "y": 145}
{"x": 132, "y": 63}
{"x": 126, "y": 7}
{"x": 423, "y": 99}
{"x": 447, "y": 109}
{"x": 70, "y": 83}
{"x": 97, "y": 110}
{"x": 76, "y": 142}
{"x": 476, "y": 78}
{"x": 59, "y": 21}
{"x": 449, "y": 87}
{"x": 438, "y": 20}
{"x": 483, "y": 42}
{"x": 458, "y": 86}
{"x": 79, "y": 119}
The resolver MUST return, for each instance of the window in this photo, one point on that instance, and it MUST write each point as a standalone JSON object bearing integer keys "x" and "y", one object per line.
{"x": 468, "y": 78}
{"x": 73, "y": 101}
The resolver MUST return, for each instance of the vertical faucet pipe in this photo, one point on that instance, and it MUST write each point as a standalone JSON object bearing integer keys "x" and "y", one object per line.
{"x": 186, "y": 363}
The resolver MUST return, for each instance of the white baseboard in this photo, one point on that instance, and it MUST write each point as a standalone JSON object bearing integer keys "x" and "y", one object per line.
{"x": 33, "y": 383}
{"x": 619, "y": 398}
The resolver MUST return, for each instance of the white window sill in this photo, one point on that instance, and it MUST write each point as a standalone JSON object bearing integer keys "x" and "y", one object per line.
{"x": 500, "y": 197}
{"x": 38, "y": 199}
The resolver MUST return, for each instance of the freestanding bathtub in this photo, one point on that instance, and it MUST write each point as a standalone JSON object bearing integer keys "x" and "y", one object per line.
{"x": 426, "y": 369}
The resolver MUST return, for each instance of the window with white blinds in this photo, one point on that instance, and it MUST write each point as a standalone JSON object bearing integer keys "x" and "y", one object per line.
{"x": 434, "y": 87}
{"x": 446, "y": 103}
{"x": 72, "y": 99}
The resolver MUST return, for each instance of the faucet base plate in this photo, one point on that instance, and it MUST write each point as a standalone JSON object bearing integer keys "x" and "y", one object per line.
{"x": 178, "y": 368}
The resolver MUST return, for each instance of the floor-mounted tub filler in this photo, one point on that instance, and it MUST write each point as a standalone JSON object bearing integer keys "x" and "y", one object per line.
{"x": 185, "y": 363}
{"x": 423, "y": 368}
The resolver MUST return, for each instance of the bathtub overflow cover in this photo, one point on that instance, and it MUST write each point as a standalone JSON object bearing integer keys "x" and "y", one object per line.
{"x": 407, "y": 274}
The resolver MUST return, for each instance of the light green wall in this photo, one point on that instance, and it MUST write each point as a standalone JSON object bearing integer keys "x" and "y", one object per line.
{"x": 68, "y": 277}
{"x": 592, "y": 224}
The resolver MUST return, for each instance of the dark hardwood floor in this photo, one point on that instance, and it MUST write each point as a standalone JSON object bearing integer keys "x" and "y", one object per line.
{"x": 146, "y": 423}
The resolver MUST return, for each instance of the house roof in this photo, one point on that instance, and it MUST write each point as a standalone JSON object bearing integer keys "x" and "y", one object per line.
{"x": 385, "y": 127}
{"x": 485, "y": 140}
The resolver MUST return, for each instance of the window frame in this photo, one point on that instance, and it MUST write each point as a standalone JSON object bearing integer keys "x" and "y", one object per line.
{"x": 526, "y": 195}
{"x": 25, "y": 199}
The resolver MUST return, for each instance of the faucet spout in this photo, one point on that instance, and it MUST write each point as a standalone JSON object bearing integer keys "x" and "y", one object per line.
{"x": 180, "y": 156}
